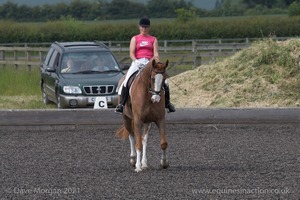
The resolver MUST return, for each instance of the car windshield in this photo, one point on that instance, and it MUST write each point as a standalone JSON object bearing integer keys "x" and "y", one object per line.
{"x": 88, "y": 62}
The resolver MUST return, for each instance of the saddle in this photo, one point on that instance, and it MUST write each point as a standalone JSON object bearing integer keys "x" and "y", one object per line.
{"x": 131, "y": 79}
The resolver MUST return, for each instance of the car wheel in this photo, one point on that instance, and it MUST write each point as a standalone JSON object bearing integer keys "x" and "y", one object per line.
{"x": 58, "y": 101}
{"x": 44, "y": 95}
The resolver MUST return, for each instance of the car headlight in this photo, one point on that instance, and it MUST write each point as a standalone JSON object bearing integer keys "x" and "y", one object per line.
{"x": 72, "y": 90}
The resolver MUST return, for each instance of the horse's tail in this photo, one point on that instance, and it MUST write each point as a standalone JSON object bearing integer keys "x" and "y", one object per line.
{"x": 122, "y": 133}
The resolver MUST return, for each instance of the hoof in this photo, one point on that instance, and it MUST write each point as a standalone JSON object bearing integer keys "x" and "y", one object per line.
{"x": 132, "y": 161}
{"x": 164, "y": 164}
{"x": 144, "y": 167}
{"x": 138, "y": 170}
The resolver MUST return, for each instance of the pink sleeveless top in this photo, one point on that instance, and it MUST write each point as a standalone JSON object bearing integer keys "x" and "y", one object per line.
{"x": 144, "y": 46}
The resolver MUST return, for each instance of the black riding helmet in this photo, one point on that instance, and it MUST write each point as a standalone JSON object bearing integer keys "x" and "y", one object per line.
{"x": 144, "y": 22}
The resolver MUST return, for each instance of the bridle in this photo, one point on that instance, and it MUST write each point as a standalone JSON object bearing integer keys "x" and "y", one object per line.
{"x": 152, "y": 80}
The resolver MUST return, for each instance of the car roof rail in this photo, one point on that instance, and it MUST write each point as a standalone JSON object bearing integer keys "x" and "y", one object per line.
{"x": 96, "y": 43}
{"x": 101, "y": 44}
{"x": 59, "y": 44}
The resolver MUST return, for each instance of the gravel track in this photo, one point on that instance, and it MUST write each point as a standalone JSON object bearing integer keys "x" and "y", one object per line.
{"x": 236, "y": 161}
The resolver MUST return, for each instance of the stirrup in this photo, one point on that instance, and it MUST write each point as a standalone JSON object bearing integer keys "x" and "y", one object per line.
{"x": 119, "y": 109}
{"x": 171, "y": 107}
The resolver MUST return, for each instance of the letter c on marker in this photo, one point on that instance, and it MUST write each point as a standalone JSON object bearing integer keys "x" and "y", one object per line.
{"x": 101, "y": 104}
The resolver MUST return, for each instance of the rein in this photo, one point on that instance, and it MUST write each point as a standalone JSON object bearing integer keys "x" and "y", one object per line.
{"x": 154, "y": 92}
{"x": 151, "y": 79}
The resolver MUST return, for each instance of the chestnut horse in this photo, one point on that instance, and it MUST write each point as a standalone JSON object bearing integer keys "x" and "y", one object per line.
{"x": 145, "y": 105}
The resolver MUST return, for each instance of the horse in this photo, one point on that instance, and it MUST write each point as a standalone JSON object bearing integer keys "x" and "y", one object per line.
{"x": 145, "y": 104}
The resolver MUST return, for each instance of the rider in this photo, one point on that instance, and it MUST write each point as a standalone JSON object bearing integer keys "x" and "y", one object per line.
{"x": 143, "y": 47}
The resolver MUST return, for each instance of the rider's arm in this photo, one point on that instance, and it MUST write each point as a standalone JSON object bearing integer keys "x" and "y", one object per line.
{"x": 155, "y": 51}
{"x": 132, "y": 49}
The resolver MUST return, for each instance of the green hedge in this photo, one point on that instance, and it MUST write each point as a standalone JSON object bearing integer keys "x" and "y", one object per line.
{"x": 163, "y": 29}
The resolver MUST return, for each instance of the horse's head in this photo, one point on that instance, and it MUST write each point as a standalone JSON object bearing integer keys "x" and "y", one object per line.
{"x": 158, "y": 76}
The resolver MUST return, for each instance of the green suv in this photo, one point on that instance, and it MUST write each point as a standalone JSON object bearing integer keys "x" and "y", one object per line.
{"x": 74, "y": 74}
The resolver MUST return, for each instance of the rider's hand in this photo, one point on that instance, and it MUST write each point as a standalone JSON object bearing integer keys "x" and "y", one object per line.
{"x": 156, "y": 58}
{"x": 138, "y": 64}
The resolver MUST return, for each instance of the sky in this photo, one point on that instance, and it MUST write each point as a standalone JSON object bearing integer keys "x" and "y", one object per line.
{"x": 205, "y": 4}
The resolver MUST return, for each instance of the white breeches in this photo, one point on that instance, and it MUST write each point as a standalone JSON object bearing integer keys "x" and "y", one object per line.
{"x": 140, "y": 63}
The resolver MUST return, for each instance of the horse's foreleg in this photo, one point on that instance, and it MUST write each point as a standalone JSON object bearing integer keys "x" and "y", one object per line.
{"x": 138, "y": 166}
{"x": 163, "y": 145}
{"x": 132, "y": 150}
{"x": 138, "y": 146}
{"x": 164, "y": 162}
{"x": 144, "y": 143}
{"x": 129, "y": 127}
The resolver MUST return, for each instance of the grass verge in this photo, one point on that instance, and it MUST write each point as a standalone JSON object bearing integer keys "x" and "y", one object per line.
{"x": 19, "y": 88}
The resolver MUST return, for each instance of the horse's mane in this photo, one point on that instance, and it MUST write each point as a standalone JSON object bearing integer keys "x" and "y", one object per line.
{"x": 149, "y": 66}
{"x": 145, "y": 72}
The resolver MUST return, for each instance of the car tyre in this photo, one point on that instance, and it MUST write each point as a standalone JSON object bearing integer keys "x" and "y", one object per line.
{"x": 58, "y": 101}
{"x": 46, "y": 100}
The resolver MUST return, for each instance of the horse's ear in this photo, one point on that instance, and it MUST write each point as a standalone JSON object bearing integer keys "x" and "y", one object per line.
{"x": 153, "y": 63}
{"x": 167, "y": 63}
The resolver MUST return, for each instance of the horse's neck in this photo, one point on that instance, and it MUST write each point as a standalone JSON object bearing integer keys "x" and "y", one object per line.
{"x": 144, "y": 77}
{"x": 140, "y": 85}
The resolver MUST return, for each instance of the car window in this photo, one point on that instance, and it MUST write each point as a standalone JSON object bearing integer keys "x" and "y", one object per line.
{"x": 69, "y": 64}
{"x": 47, "y": 59}
{"x": 111, "y": 62}
{"x": 88, "y": 61}
{"x": 54, "y": 59}
{"x": 56, "y": 64}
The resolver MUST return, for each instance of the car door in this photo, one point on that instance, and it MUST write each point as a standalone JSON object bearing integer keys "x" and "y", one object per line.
{"x": 52, "y": 75}
{"x": 45, "y": 73}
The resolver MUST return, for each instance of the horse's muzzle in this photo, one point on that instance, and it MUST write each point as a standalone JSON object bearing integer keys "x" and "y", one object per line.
{"x": 155, "y": 98}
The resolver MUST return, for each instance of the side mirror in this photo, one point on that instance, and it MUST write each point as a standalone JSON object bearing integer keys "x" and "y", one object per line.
{"x": 50, "y": 69}
{"x": 125, "y": 67}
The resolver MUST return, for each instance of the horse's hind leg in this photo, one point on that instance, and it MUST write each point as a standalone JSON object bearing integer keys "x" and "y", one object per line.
{"x": 146, "y": 129}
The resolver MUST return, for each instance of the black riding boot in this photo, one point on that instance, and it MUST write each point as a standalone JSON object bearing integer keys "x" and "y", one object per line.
{"x": 124, "y": 96}
{"x": 168, "y": 104}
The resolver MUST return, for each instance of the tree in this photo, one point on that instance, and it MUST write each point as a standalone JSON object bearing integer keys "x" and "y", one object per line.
{"x": 218, "y": 4}
{"x": 24, "y": 13}
{"x": 128, "y": 9}
{"x": 159, "y": 8}
{"x": 120, "y": 9}
{"x": 80, "y": 9}
{"x": 61, "y": 9}
{"x": 294, "y": 9}
{"x": 184, "y": 15}
{"x": 279, "y": 4}
{"x": 8, "y": 10}
{"x": 48, "y": 12}
{"x": 268, "y": 3}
